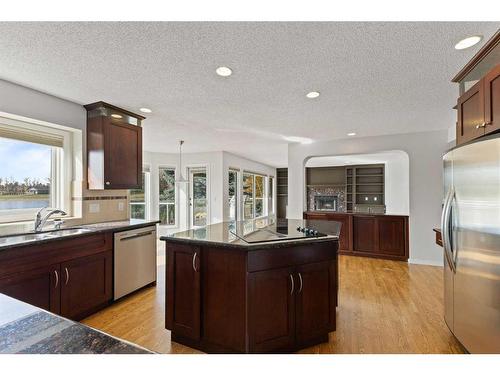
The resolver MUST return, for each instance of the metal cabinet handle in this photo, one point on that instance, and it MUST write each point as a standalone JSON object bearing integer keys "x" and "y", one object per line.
{"x": 108, "y": 183}
{"x": 194, "y": 262}
{"x": 483, "y": 125}
{"x": 293, "y": 284}
{"x": 67, "y": 276}
{"x": 57, "y": 279}
{"x": 300, "y": 279}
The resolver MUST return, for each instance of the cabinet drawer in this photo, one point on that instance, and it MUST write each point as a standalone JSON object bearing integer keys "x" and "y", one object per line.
{"x": 260, "y": 260}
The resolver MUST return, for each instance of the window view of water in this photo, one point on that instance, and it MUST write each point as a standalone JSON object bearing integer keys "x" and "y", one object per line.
{"x": 13, "y": 204}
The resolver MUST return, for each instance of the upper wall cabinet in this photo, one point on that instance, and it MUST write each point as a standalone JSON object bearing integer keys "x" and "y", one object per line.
{"x": 114, "y": 147}
{"x": 478, "y": 107}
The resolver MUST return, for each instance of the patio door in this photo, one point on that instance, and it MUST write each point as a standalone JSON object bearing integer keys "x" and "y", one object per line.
{"x": 198, "y": 197}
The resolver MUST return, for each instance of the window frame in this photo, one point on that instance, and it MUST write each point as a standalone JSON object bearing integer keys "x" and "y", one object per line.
{"x": 236, "y": 195}
{"x": 61, "y": 171}
{"x": 158, "y": 203}
{"x": 147, "y": 196}
{"x": 265, "y": 210}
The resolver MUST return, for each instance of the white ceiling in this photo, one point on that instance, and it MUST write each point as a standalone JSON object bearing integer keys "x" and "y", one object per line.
{"x": 374, "y": 78}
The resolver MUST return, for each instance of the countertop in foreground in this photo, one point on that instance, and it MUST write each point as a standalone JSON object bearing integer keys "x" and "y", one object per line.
{"x": 223, "y": 234}
{"x": 27, "y": 329}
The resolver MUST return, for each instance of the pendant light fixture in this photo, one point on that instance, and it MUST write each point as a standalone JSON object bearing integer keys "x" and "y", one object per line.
{"x": 181, "y": 180}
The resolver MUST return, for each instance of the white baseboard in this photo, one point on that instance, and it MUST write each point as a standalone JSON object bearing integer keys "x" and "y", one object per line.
{"x": 426, "y": 262}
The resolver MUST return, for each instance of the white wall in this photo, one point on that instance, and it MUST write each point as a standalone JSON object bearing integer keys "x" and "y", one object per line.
{"x": 242, "y": 164}
{"x": 424, "y": 150}
{"x": 23, "y": 101}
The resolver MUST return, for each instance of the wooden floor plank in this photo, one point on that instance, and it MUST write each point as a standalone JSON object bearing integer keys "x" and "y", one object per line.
{"x": 384, "y": 307}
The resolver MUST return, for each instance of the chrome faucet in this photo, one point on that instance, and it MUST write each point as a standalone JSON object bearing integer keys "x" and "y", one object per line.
{"x": 40, "y": 221}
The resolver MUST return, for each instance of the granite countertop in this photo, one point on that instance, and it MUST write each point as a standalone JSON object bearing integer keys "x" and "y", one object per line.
{"x": 229, "y": 234}
{"x": 9, "y": 240}
{"x": 27, "y": 329}
{"x": 353, "y": 213}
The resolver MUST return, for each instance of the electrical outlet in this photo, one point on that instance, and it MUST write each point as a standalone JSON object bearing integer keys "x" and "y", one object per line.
{"x": 94, "y": 208}
{"x": 121, "y": 206}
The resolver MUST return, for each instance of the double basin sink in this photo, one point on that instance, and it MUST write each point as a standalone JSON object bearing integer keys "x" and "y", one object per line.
{"x": 40, "y": 236}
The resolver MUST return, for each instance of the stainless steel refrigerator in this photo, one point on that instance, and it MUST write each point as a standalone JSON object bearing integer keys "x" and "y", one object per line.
{"x": 470, "y": 225}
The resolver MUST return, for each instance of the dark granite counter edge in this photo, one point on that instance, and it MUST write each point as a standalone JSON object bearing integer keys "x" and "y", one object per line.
{"x": 352, "y": 213}
{"x": 94, "y": 229}
{"x": 250, "y": 247}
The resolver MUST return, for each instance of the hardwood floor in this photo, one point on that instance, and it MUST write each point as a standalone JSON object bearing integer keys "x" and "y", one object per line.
{"x": 384, "y": 307}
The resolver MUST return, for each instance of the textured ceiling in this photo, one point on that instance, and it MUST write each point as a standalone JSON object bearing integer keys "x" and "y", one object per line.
{"x": 374, "y": 78}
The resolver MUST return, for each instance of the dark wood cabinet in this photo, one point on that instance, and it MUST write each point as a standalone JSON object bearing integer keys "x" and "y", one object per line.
{"x": 183, "y": 315}
{"x": 73, "y": 277}
{"x": 391, "y": 238}
{"x": 315, "y": 309}
{"x": 114, "y": 147}
{"x": 470, "y": 108}
{"x": 86, "y": 284}
{"x": 372, "y": 235}
{"x": 492, "y": 100}
{"x": 364, "y": 236}
{"x": 478, "y": 109}
{"x": 271, "y": 309}
{"x": 39, "y": 287}
{"x": 263, "y": 300}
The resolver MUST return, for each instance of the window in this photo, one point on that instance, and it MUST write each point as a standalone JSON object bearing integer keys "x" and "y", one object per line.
{"x": 259, "y": 196}
{"x": 198, "y": 197}
{"x": 167, "y": 196}
{"x": 254, "y": 204}
{"x": 26, "y": 173}
{"x": 270, "y": 195}
{"x": 139, "y": 208}
{"x": 233, "y": 195}
{"x": 248, "y": 203}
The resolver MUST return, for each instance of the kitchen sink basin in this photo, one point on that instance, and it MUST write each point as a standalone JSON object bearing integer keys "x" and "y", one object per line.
{"x": 33, "y": 237}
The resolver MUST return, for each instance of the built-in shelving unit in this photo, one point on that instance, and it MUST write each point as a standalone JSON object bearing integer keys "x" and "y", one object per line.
{"x": 365, "y": 185}
{"x": 282, "y": 192}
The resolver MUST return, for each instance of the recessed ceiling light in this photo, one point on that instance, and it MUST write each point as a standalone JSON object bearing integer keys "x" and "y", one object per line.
{"x": 312, "y": 95}
{"x": 304, "y": 141}
{"x": 352, "y": 134}
{"x": 223, "y": 71}
{"x": 116, "y": 115}
{"x": 145, "y": 110}
{"x": 468, "y": 42}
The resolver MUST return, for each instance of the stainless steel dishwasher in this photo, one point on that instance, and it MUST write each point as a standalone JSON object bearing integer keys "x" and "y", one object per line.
{"x": 134, "y": 260}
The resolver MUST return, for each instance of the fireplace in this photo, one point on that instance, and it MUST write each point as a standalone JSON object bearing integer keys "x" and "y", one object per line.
{"x": 325, "y": 202}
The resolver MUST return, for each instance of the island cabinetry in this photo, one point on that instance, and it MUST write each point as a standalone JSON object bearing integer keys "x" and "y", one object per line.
{"x": 183, "y": 291}
{"x": 72, "y": 277}
{"x": 252, "y": 301}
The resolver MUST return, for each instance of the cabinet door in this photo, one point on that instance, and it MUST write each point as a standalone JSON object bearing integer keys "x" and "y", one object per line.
{"x": 39, "y": 287}
{"x": 470, "y": 108}
{"x": 183, "y": 313}
{"x": 315, "y": 301}
{"x": 392, "y": 235}
{"x": 363, "y": 233}
{"x": 344, "y": 239}
{"x": 492, "y": 100}
{"x": 122, "y": 155}
{"x": 271, "y": 305}
{"x": 86, "y": 284}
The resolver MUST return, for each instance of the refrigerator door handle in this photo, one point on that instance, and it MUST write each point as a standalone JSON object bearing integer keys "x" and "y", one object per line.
{"x": 445, "y": 228}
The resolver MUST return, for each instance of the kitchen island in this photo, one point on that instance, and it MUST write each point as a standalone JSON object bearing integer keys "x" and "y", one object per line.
{"x": 255, "y": 286}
